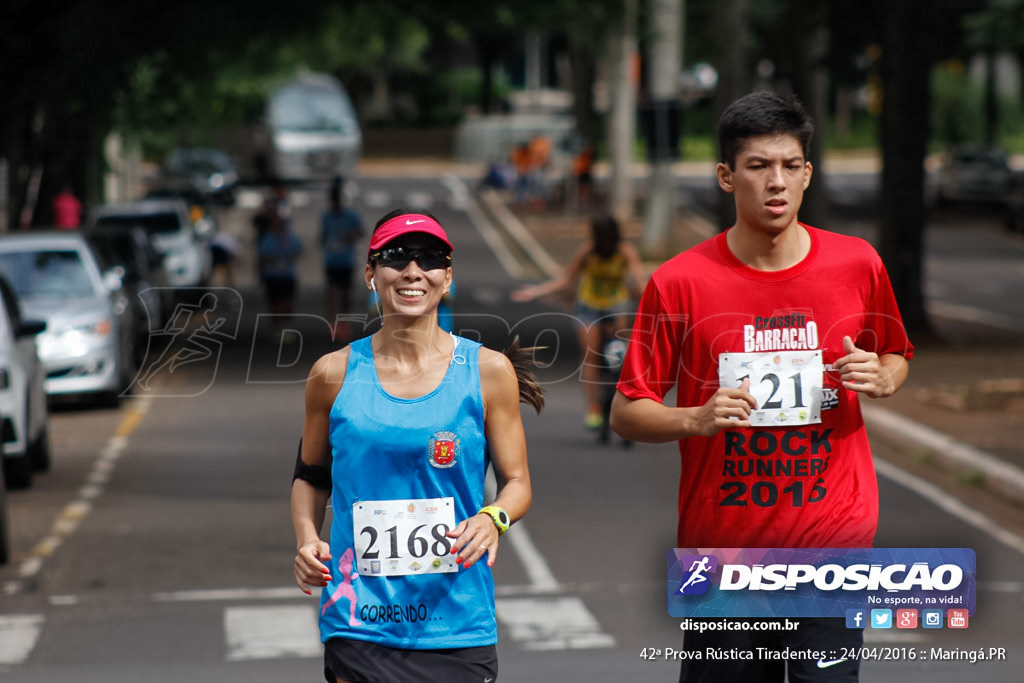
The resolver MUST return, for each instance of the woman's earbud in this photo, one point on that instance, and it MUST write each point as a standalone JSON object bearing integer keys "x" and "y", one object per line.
{"x": 373, "y": 285}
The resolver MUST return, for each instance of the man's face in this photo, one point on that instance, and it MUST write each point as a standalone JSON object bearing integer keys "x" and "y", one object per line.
{"x": 768, "y": 182}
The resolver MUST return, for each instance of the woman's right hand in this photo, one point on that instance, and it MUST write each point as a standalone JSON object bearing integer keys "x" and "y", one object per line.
{"x": 311, "y": 570}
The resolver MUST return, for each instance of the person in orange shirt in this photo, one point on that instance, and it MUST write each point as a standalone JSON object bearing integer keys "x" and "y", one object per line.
{"x": 540, "y": 157}
{"x": 522, "y": 162}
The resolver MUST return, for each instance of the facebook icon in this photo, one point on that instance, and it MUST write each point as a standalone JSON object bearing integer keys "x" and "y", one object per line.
{"x": 854, "y": 618}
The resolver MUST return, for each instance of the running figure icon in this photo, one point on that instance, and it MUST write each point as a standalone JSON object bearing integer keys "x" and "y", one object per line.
{"x": 194, "y": 333}
{"x": 697, "y": 570}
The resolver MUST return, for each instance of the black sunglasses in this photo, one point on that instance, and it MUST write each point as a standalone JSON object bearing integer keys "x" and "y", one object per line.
{"x": 399, "y": 257}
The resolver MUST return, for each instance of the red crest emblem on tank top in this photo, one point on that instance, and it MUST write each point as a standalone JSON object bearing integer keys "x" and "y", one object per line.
{"x": 444, "y": 449}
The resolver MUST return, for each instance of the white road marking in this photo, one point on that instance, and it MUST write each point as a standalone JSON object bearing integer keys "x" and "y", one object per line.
{"x": 419, "y": 200}
{"x": 376, "y": 199}
{"x": 486, "y": 229}
{"x": 69, "y": 519}
{"x": 459, "y": 192}
{"x": 537, "y": 252}
{"x": 249, "y": 199}
{"x": 946, "y": 502}
{"x": 975, "y": 315}
{"x": 18, "y": 635}
{"x": 552, "y": 623}
{"x": 228, "y": 594}
{"x": 271, "y": 633}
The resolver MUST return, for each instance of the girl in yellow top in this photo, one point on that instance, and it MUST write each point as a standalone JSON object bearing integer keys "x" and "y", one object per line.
{"x": 608, "y": 275}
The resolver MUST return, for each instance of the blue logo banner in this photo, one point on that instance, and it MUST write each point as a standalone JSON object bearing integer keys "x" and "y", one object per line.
{"x": 817, "y": 582}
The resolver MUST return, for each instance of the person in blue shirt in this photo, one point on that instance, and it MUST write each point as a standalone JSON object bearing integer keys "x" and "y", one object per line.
{"x": 341, "y": 228}
{"x": 400, "y": 429}
{"x": 279, "y": 250}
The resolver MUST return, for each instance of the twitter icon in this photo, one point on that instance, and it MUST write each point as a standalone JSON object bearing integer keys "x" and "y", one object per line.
{"x": 881, "y": 618}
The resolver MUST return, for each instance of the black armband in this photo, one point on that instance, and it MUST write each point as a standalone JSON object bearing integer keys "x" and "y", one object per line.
{"x": 317, "y": 475}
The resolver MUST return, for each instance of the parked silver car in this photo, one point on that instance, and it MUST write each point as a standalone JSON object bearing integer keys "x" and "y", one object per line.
{"x": 184, "y": 246}
{"x": 24, "y": 414}
{"x": 87, "y": 347}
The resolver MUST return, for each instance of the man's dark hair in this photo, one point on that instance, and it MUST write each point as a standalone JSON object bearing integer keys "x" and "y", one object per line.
{"x": 762, "y": 113}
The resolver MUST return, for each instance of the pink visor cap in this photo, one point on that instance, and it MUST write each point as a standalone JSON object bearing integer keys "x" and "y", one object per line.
{"x": 405, "y": 224}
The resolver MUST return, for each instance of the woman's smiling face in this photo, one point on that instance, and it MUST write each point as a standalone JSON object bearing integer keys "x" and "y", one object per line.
{"x": 413, "y": 289}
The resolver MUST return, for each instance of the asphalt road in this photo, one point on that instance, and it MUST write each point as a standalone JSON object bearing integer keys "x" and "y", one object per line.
{"x": 159, "y": 547}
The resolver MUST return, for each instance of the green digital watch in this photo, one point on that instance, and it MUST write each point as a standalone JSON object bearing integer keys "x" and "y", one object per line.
{"x": 501, "y": 519}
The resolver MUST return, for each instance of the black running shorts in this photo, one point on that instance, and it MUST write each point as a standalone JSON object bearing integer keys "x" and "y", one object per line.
{"x": 362, "y": 662}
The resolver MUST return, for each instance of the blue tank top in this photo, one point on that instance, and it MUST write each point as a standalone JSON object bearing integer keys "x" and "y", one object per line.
{"x": 385, "y": 448}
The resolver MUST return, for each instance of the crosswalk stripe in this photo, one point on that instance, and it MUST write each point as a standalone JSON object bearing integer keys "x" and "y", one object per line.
{"x": 376, "y": 199}
{"x": 551, "y": 623}
{"x": 271, "y": 632}
{"x": 18, "y": 635}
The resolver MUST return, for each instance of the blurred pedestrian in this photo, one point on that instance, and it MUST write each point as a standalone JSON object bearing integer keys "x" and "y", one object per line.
{"x": 67, "y": 209}
{"x": 400, "y": 428}
{"x": 279, "y": 251}
{"x": 522, "y": 162}
{"x": 276, "y": 206}
{"x": 223, "y": 251}
{"x": 340, "y": 229}
{"x": 769, "y": 295}
{"x": 583, "y": 176}
{"x": 607, "y": 275}
{"x": 539, "y": 150}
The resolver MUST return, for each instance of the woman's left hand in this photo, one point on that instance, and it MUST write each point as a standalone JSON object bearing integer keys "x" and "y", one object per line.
{"x": 474, "y": 537}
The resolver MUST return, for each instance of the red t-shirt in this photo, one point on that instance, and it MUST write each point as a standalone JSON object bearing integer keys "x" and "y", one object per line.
{"x": 67, "y": 211}
{"x": 799, "y": 486}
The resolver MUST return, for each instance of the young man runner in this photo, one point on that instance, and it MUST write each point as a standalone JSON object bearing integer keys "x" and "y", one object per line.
{"x": 770, "y": 332}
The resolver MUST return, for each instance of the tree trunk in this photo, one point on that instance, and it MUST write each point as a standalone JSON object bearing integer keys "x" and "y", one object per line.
{"x": 622, "y": 124}
{"x": 486, "y": 54}
{"x": 730, "y": 19}
{"x": 584, "y": 73}
{"x": 906, "y": 62}
{"x": 665, "y": 63}
{"x": 811, "y": 86}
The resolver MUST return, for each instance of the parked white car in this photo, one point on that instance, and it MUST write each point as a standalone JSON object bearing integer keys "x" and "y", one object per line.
{"x": 5, "y": 550}
{"x": 24, "y": 414}
{"x": 310, "y": 131}
{"x": 88, "y": 345}
{"x": 184, "y": 245}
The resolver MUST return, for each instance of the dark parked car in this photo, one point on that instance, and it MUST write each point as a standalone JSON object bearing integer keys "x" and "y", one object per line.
{"x": 143, "y": 278}
{"x": 975, "y": 174}
{"x": 210, "y": 172}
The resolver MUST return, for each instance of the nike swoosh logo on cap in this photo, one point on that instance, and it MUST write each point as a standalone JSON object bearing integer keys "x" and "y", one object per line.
{"x": 826, "y": 663}
{"x": 408, "y": 222}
